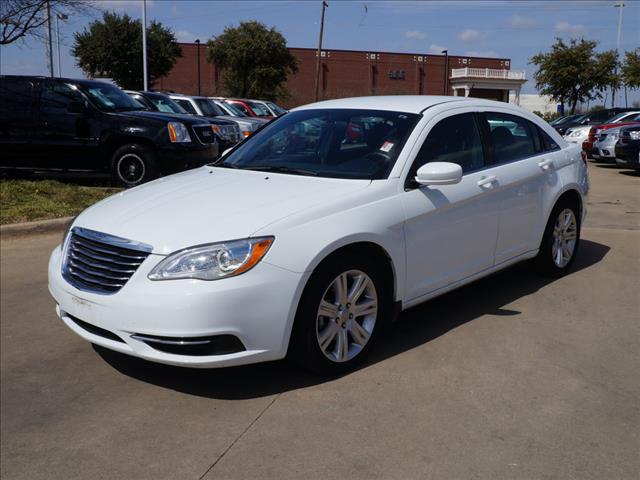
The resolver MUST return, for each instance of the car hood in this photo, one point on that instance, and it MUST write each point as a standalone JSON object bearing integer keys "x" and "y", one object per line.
{"x": 247, "y": 120}
{"x": 162, "y": 116}
{"x": 210, "y": 204}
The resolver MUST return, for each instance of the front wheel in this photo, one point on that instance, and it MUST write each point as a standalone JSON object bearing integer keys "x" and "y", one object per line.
{"x": 341, "y": 312}
{"x": 560, "y": 241}
{"x": 132, "y": 165}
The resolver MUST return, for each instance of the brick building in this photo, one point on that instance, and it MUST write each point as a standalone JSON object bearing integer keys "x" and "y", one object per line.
{"x": 350, "y": 73}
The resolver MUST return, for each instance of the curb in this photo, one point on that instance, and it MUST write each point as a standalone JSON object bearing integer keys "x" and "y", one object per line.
{"x": 32, "y": 228}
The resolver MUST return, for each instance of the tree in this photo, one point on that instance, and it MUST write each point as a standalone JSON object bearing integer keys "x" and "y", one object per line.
{"x": 575, "y": 72}
{"x": 631, "y": 69}
{"x": 112, "y": 47}
{"x": 255, "y": 60}
{"x": 20, "y": 18}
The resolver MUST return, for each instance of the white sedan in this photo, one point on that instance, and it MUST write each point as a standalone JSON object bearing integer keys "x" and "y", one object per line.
{"x": 310, "y": 235}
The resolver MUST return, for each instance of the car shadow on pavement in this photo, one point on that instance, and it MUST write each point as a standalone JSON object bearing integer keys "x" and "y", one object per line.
{"x": 416, "y": 326}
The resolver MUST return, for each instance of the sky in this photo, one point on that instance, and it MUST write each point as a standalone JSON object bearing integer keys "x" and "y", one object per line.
{"x": 515, "y": 29}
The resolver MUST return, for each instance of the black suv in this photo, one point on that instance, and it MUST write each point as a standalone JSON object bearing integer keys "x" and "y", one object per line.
{"x": 85, "y": 125}
{"x": 594, "y": 118}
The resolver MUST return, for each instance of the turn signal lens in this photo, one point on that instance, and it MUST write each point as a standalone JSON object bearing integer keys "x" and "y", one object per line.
{"x": 246, "y": 134}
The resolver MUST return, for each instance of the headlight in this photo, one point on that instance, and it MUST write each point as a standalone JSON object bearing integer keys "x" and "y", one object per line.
{"x": 613, "y": 136}
{"x": 634, "y": 135}
{"x": 212, "y": 262}
{"x": 246, "y": 133}
{"x": 575, "y": 133}
{"x": 178, "y": 132}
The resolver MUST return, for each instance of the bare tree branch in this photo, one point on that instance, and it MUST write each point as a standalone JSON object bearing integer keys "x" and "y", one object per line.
{"x": 21, "y": 18}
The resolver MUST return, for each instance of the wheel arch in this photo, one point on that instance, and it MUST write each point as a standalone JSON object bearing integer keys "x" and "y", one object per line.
{"x": 116, "y": 140}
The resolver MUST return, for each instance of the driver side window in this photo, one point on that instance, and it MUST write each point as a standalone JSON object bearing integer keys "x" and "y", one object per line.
{"x": 455, "y": 139}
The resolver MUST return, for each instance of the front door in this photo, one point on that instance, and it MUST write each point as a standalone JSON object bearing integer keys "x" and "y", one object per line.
{"x": 450, "y": 230}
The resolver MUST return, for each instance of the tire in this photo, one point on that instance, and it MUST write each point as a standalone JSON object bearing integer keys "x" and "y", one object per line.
{"x": 359, "y": 324}
{"x": 132, "y": 165}
{"x": 558, "y": 234}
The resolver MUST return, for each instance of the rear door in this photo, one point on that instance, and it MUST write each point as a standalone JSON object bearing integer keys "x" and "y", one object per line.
{"x": 525, "y": 169}
{"x": 18, "y": 121}
{"x": 65, "y": 134}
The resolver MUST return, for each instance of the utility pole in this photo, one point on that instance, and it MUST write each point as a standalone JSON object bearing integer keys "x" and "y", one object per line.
{"x": 317, "y": 89}
{"x": 49, "y": 41}
{"x": 144, "y": 45}
{"x": 446, "y": 71}
{"x": 59, "y": 16}
{"x": 619, "y": 5}
{"x": 198, "y": 49}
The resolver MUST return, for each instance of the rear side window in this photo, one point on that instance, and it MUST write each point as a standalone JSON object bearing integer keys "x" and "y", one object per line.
{"x": 455, "y": 139}
{"x": 548, "y": 143}
{"x": 18, "y": 96}
{"x": 512, "y": 137}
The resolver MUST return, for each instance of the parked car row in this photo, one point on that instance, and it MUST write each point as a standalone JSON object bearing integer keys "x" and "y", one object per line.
{"x": 600, "y": 132}
{"x": 59, "y": 124}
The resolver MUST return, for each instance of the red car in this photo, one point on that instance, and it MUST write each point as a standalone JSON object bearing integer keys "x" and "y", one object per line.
{"x": 250, "y": 108}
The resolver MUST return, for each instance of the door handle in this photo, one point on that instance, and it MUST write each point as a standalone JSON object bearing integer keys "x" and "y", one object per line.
{"x": 487, "y": 182}
{"x": 546, "y": 164}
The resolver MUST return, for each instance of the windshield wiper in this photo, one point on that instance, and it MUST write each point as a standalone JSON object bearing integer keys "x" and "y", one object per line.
{"x": 282, "y": 169}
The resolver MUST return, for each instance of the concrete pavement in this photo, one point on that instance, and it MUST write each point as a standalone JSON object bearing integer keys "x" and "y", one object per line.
{"x": 514, "y": 376}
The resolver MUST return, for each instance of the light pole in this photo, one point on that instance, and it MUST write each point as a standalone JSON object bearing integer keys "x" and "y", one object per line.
{"x": 144, "y": 46}
{"x": 59, "y": 16}
{"x": 49, "y": 41}
{"x": 619, "y": 5}
{"x": 198, "y": 50}
{"x": 324, "y": 6}
{"x": 446, "y": 71}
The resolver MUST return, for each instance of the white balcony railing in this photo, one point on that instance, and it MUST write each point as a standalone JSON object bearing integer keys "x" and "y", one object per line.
{"x": 489, "y": 73}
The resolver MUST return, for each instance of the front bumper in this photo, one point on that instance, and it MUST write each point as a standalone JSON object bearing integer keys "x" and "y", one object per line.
{"x": 178, "y": 157}
{"x": 256, "y": 307}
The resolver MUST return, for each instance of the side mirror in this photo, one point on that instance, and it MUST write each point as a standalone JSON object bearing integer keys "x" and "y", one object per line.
{"x": 439, "y": 173}
{"x": 76, "y": 106}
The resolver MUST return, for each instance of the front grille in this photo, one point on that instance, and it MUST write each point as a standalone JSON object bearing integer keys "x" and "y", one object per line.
{"x": 204, "y": 133}
{"x": 101, "y": 263}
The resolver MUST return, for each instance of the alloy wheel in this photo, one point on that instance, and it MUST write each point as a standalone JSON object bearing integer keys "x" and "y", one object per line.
{"x": 131, "y": 168}
{"x": 346, "y": 316}
{"x": 565, "y": 234}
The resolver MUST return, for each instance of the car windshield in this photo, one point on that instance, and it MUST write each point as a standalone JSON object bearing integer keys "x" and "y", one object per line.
{"x": 621, "y": 116}
{"x": 567, "y": 119}
{"x": 165, "y": 104}
{"x": 260, "y": 109}
{"x": 276, "y": 108}
{"x": 236, "y": 112}
{"x": 209, "y": 109}
{"x": 111, "y": 98}
{"x": 338, "y": 143}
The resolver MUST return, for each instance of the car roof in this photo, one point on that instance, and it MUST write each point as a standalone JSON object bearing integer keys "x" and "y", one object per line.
{"x": 401, "y": 103}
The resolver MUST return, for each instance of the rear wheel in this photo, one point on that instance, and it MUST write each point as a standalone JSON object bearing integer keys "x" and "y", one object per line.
{"x": 561, "y": 239}
{"x": 132, "y": 165}
{"x": 341, "y": 312}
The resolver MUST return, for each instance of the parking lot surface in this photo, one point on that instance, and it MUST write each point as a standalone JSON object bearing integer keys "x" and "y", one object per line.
{"x": 514, "y": 376}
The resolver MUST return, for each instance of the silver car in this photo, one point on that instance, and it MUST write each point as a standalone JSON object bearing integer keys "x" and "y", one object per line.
{"x": 206, "y": 107}
{"x": 605, "y": 145}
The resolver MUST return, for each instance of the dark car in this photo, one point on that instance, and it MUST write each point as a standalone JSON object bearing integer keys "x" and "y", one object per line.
{"x": 628, "y": 147}
{"x": 160, "y": 102}
{"x": 85, "y": 125}
{"x": 594, "y": 118}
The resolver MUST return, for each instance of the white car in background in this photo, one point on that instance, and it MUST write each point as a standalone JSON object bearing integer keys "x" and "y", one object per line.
{"x": 299, "y": 243}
